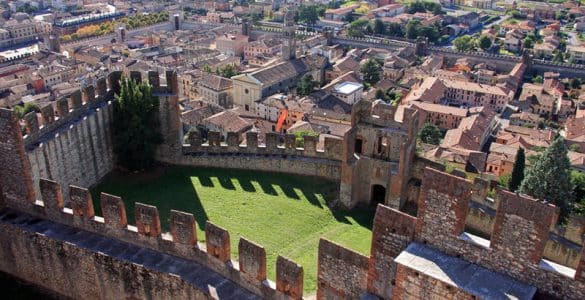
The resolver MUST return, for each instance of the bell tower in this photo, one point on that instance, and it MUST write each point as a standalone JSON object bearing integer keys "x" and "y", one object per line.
{"x": 288, "y": 31}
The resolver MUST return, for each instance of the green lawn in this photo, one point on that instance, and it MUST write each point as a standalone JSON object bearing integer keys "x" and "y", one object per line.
{"x": 286, "y": 214}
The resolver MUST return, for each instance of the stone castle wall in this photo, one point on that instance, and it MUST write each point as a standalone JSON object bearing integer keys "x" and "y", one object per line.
{"x": 275, "y": 155}
{"x": 52, "y": 249}
{"x": 518, "y": 236}
{"x": 79, "y": 152}
{"x": 563, "y": 245}
{"x": 80, "y": 273}
{"x": 70, "y": 139}
{"x": 516, "y": 245}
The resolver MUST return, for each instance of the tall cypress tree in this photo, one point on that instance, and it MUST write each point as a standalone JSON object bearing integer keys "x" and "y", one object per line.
{"x": 518, "y": 171}
{"x": 549, "y": 178}
{"x": 136, "y": 125}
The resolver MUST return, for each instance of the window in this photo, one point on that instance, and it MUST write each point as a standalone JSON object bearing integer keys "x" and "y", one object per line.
{"x": 358, "y": 146}
{"x": 246, "y": 91}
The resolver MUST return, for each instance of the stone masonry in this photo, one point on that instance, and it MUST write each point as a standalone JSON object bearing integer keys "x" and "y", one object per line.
{"x": 50, "y": 235}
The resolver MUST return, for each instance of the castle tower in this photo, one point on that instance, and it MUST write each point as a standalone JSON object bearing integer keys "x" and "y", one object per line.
{"x": 246, "y": 27}
{"x": 421, "y": 46}
{"x": 288, "y": 31}
{"x": 52, "y": 42}
{"x": 122, "y": 33}
{"x": 176, "y": 21}
{"x": 377, "y": 155}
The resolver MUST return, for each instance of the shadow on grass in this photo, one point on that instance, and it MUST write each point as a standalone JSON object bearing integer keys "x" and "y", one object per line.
{"x": 167, "y": 190}
{"x": 172, "y": 188}
{"x": 246, "y": 185}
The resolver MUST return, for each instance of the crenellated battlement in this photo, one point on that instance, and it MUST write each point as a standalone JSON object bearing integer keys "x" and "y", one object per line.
{"x": 521, "y": 229}
{"x": 69, "y": 142}
{"x": 70, "y": 109}
{"x": 274, "y": 144}
{"x": 249, "y": 270}
{"x": 515, "y": 249}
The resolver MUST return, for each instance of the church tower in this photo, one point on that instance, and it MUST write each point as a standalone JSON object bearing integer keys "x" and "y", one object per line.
{"x": 288, "y": 31}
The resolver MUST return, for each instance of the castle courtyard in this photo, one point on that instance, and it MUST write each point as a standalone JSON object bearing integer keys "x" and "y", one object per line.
{"x": 287, "y": 214}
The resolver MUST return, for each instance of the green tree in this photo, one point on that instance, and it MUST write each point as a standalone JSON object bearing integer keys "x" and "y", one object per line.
{"x": 578, "y": 180}
{"x": 357, "y": 28}
{"x": 575, "y": 148}
{"x": 575, "y": 83}
{"x": 136, "y": 126}
{"x": 518, "y": 171}
{"x": 549, "y": 178}
{"x": 537, "y": 79}
{"x": 484, "y": 42}
{"x": 430, "y": 31}
{"x": 306, "y": 85}
{"x": 529, "y": 42}
{"x": 558, "y": 57}
{"x": 307, "y": 14}
{"x": 463, "y": 43}
{"x": 394, "y": 29}
{"x": 371, "y": 71}
{"x": 389, "y": 96}
{"x": 379, "y": 27}
{"x": 414, "y": 7}
{"x": 228, "y": 71}
{"x": 23, "y": 110}
{"x": 411, "y": 29}
{"x": 369, "y": 29}
{"x": 430, "y": 134}
{"x": 300, "y": 137}
{"x": 504, "y": 180}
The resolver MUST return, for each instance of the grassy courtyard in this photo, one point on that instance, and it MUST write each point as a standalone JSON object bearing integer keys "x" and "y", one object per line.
{"x": 286, "y": 214}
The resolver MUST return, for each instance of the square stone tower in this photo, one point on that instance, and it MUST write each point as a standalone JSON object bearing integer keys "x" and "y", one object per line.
{"x": 377, "y": 155}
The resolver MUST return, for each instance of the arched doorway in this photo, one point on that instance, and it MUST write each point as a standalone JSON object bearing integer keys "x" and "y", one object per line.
{"x": 378, "y": 195}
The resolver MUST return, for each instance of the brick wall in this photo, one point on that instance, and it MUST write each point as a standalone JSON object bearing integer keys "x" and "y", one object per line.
{"x": 14, "y": 167}
{"x": 411, "y": 284}
{"x": 392, "y": 232}
{"x": 76, "y": 272}
{"x": 342, "y": 273}
{"x": 515, "y": 247}
{"x": 113, "y": 225}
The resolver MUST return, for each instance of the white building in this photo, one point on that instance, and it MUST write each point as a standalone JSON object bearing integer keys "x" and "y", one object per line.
{"x": 349, "y": 92}
{"x": 269, "y": 108}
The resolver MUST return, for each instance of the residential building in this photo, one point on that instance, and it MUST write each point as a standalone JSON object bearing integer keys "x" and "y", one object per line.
{"x": 540, "y": 10}
{"x": 483, "y": 4}
{"x": 524, "y": 119}
{"x": 281, "y": 77}
{"x": 340, "y": 14}
{"x": 231, "y": 45}
{"x": 227, "y": 121}
{"x": 458, "y": 92}
{"x": 473, "y": 94}
{"x": 473, "y": 132}
{"x": 216, "y": 89}
{"x": 21, "y": 31}
{"x": 442, "y": 116}
{"x": 349, "y": 92}
{"x": 263, "y": 48}
{"x": 576, "y": 54}
{"x": 538, "y": 100}
{"x": 270, "y": 107}
{"x": 188, "y": 84}
{"x": 389, "y": 10}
